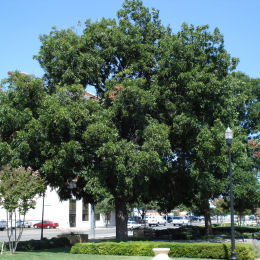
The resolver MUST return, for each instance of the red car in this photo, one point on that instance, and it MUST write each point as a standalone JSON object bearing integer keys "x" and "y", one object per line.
{"x": 46, "y": 224}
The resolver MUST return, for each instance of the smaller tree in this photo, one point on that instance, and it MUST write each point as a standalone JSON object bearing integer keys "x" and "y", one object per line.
{"x": 18, "y": 189}
{"x": 105, "y": 207}
{"x": 222, "y": 207}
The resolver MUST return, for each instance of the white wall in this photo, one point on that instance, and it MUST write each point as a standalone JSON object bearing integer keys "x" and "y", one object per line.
{"x": 58, "y": 211}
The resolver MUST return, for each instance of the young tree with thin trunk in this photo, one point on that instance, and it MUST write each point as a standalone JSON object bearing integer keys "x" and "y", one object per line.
{"x": 18, "y": 190}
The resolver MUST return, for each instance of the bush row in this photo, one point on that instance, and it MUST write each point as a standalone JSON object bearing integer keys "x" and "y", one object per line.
{"x": 183, "y": 233}
{"x": 193, "y": 233}
{"x": 144, "y": 248}
{"x": 41, "y": 244}
{"x": 241, "y": 229}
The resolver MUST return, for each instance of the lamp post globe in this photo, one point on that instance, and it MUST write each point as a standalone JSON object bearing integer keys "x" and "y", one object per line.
{"x": 229, "y": 138}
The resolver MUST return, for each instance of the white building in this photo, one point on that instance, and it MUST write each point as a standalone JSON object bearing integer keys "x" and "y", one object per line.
{"x": 69, "y": 214}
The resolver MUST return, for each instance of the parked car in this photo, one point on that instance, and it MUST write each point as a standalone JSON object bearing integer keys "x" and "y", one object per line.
{"x": 161, "y": 220}
{"x": 155, "y": 220}
{"x": 46, "y": 224}
{"x": 3, "y": 225}
{"x": 251, "y": 217}
{"x": 131, "y": 224}
{"x": 151, "y": 221}
{"x": 25, "y": 224}
{"x": 169, "y": 218}
{"x": 194, "y": 218}
{"x": 137, "y": 219}
{"x": 180, "y": 221}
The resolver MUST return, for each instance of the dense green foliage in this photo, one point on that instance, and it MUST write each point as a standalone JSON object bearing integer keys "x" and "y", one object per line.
{"x": 32, "y": 245}
{"x": 196, "y": 250}
{"x": 156, "y": 133}
{"x": 195, "y": 233}
{"x": 45, "y": 131}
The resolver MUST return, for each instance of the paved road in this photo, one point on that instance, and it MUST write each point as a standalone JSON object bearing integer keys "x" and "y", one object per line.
{"x": 109, "y": 232}
{"x": 49, "y": 233}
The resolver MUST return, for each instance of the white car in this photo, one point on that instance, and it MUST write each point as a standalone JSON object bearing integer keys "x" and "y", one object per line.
{"x": 132, "y": 225}
{"x": 155, "y": 221}
{"x": 161, "y": 220}
{"x": 25, "y": 224}
{"x": 151, "y": 221}
{"x": 180, "y": 221}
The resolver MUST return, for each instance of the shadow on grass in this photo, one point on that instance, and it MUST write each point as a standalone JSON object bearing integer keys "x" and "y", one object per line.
{"x": 54, "y": 250}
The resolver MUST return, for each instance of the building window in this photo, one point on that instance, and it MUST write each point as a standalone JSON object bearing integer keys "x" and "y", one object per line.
{"x": 84, "y": 211}
{"x": 73, "y": 206}
{"x": 72, "y": 213}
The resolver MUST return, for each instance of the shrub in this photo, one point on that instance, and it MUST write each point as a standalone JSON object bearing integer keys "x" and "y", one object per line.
{"x": 193, "y": 233}
{"x": 74, "y": 238}
{"x": 217, "y": 230}
{"x": 144, "y": 248}
{"x": 41, "y": 244}
{"x": 182, "y": 233}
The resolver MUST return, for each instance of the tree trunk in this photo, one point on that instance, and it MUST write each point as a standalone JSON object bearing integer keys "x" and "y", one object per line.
{"x": 207, "y": 219}
{"x": 143, "y": 213}
{"x": 240, "y": 220}
{"x": 121, "y": 220}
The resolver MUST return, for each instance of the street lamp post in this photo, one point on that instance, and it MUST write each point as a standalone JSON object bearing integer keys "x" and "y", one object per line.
{"x": 229, "y": 137}
{"x": 92, "y": 221}
{"x": 43, "y": 196}
{"x": 72, "y": 207}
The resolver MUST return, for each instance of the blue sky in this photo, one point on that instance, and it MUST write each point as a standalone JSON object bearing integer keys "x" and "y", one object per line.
{"x": 22, "y": 21}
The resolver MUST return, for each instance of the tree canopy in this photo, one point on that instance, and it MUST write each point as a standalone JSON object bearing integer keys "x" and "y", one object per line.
{"x": 156, "y": 131}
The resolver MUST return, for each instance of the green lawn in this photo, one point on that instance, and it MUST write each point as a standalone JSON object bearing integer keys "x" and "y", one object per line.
{"x": 63, "y": 254}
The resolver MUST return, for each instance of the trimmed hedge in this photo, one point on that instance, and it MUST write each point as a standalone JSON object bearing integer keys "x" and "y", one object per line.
{"x": 41, "y": 244}
{"x": 182, "y": 233}
{"x": 241, "y": 229}
{"x": 193, "y": 233}
{"x": 144, "y": 248}
{"x": 74, "y": 238}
